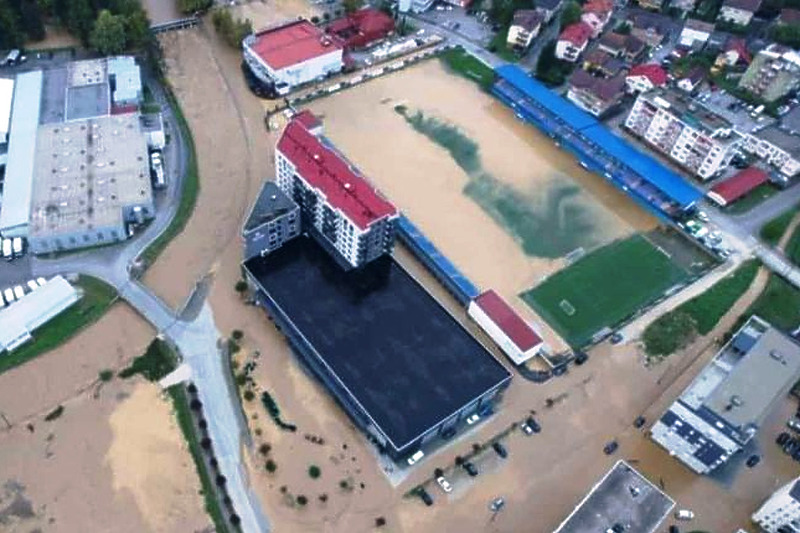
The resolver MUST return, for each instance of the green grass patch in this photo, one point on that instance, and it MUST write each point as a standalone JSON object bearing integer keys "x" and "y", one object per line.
{"x": 157, "y": 361}
{"x": 97, "y": 298}
{"x": 778, "y": 304}
{"x": 772, "y": 231}
{"x": 603, "y": 288}
{"x": 752, "y": 199}
{"x": 674, "y": 330}
{"x": 190, "y": 188}
{"x": 792, "y": 249}
{"x": 183, "y": 413}
{"x": 467, "y": 65}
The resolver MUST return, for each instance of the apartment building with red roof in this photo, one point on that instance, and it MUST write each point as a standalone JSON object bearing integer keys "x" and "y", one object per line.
{"x": 572, "y": 41}
{"x": 339, "y": 206}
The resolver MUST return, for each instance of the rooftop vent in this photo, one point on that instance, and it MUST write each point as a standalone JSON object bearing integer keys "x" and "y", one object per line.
{"x": 347, "y": 186}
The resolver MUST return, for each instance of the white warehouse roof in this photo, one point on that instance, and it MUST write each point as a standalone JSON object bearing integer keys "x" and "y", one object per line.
{"x": 21, "y": 154}
{"x": 6, "y": 96}
{"x": 127, "y": 78}
{"x": 19, "y": 319}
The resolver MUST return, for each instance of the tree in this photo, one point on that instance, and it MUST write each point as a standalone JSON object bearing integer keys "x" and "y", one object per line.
{"x": 301, "y": 500}
{"x": 314, "y": 472}
{"x": 270, "y": 466}
{"x": 351, "y": 6}
{"x": 249, "y": 395}
{"x": 241, "y": 287}
{"x": 237, "y": 334}
{"x": 108, "y": 36}
{"x": 570, "y": 14}
{"x": 193, "y": 6}
{"x": 265, "y": 448}
{"x": 79, "y": 18}
{"x": 31, "y": 19}
{"x": 10, "y": 33}
{"x": 137, "y": 30}
{"x": 380, "y": 521}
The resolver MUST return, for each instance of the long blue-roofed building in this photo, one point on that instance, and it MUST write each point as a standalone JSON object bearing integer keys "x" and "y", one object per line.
{"x": 646, "y": 180}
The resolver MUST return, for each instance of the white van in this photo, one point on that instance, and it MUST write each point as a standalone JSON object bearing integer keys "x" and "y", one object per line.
{"x": 32, "y": 285}
{"x": 16, "y": 246}
{"x": 19, "y": 292}
{"x": 419, "y": 454}
{"x": 41, "y": 281}
{"x": 684, "y": 514}
{"x": 2, "y": 301}
{"x": 8, "y": 254}
{"x": 9, "y": 295}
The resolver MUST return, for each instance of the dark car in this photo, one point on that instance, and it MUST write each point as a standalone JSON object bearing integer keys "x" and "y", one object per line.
{"x": 534, "y": 425}
{"x": 617, "y": 338}
{"x": 639, "y": 422}
{"x": 796, "y": 454}
{"x": 674, "y": 529}
{"x": 617, "y": 528}
{"x": 425, "y": 497}
{"x": 753, "y": 460}
{"x": 470, "y": 468}
{"x": 500, "y": 449}
{"x": 783, "y": 438}
{"x": 610, "y": 448}
{"x": 581, "y": 357}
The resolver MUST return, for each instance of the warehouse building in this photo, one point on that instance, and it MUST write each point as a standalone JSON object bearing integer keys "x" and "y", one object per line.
{"x": 701, "y": 141}
{"x": 338, "y": 204}
{"x": 644, "y": 179}
{"x": 777, "y": 147}
{"x": 292, "y": 54}
{"x": 273, "y": 220}
{"x": 726, "y": 403}
{"x": 781, "y": 512}
{"x": 400, "y": 365}
{"x": 623, "y": 497}
{"x": 518, "y": 340}
{"x": 18, "y": 182}
{"x": 125, "y": 83}
{"x": 91, "y": 179}
{"x": 19, "y": 320}
{"x": 731, "y": 189}
{"x": 6, "y": 98}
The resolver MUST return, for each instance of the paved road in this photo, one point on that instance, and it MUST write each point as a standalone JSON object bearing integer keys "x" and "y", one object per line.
{"x": 769, "y": 209}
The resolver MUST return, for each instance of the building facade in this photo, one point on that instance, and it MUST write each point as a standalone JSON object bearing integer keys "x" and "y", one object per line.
{"x": 502, "y": 323}
{"x": 774, "y": 72}
{"x": 695, "y": 32}
{"x": 643, "y": 78}
{"x": 777, "y": 148}
{"x": 596, "y": 96}
{"x": 781, "y": 512}
{"x": 338, "y": 205}
{"x": 572, "y": 41}
{"x": 722, "y": 409}
{"x": 524, "y": 28}
{"x": 739, "y": 12}
{"x": 697, "y": 139}
{"x": 273, "y": 220}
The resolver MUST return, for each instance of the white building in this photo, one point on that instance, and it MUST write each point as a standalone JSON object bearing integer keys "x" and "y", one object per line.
{"x": 699, "y": 140}
{"x": 338, "y": 206}
{"x": 738, "y": 12}
{"x": 777, "y": 147}
{"x": 125, "y": 79}
{"x": 695, "y": 32}
{"x": 781, "y": 510}
{"x": 572, "y": 41}
{"x": 292, "y": 54}
{"x": 18, "y": 186}
{"x": 508, "y": 330}
{"x": 722, "y": 409}
{"x": 6, "y": 97}
{"x": 524, "y": 28}
{"x": 19, "y": 320}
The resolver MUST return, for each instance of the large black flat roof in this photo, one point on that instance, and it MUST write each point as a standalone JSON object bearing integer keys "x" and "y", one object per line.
{"x": 399, "y": 353}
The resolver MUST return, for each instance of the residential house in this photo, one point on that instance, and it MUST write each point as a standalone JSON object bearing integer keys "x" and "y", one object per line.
{"x": 695, "y": 32}
{"x": 655, "y": 5}
{"x": 651, "y": 28}
{"x": 777, "y": 147}
{"x": 548, "y": 8}
{"x": 597, "y": 13}
{"x": 735, "y": 53}
{"x": 682, "y": 5}
{"x": 524, "y": 28}
{"x": 572, "y": 41}
{"x": 683, "y": 130}
{"x": 789, "y": 16}
{"x": 593, "y": 94}
{"x": 627, "y": 47}
{"x": 739, "y": 12}
{"x": 600, "y": 62}
{"x": 692, "y": 79}
{"x": 774, "y": 72}
{"x": 643, "y": 78}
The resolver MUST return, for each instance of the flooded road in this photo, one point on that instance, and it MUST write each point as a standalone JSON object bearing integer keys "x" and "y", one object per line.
{"x": 161, "y": 11}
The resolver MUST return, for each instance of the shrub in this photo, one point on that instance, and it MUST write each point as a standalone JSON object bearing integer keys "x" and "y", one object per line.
{"x": 235, "y": 520}
{"x": 158, "y": 361}
{"x": 265, "y": 448}
{"x": 323, "y": 497}
{"x": 344, "y": 484}
{"x": 195, "y": 405}
{"x": 106, "y": 375}
{"x": 314, "y": 472}
{"x": 438, "y": 472}
{"x": 232, "y": 32}
{"x": 192, "y": 388}
{"x": 249, "y": 395}
{"x": 221, "y": 480}
{"x": 271, "y": 466}
{"x": 237, "y": 334}
{"x": 241, "y": 286}
{"x": 55, "y": 413}
{"x": 205, "y": 443}
{"x": 301, "y": 500}
{"x": 380, "y": 521}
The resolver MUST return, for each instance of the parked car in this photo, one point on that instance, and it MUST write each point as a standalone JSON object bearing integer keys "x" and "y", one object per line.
{"x": 684, "y": 514}
{"x": 581, "y": 357}
{"x": 470, "y": 468}
{"x": 419, "y": 454}
{"x": 425, "y": 497}
{"x": 616, "y": 337}
{"x": 534, "y": 425}
{"x": 753, "y": 460}
{"x": 444, "y": 484}
{"x": 794, "y": 425}
{"x": 610, "y": 448}
{"x": 526, "y": 429}
{"x": 17, "y": 247}
{"x": 674, "y": 529}
{"x": 497, "y": 504}
{"x": 783, "y": 438}
{"x": 473, "y": 418}
{"x": 500, "y": 449}
{"x": 639, "y": 422}
{"x": 702, "y": 216}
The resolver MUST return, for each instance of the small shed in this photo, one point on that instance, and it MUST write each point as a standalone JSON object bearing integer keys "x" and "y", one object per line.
{"x": 508, "y": 330}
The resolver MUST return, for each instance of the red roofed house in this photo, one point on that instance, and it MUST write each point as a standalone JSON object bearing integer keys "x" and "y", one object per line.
{"x": 597, "y": 13}
{"x": 740, "y": 184}
{"x": 512, "y": 334}
{"x": 362, "y": 28}
{"x": 292, "y": 54}
{"x": 643, "y": 78}
{"x": 339, "y": 206}
{"x": 572, "y": 41}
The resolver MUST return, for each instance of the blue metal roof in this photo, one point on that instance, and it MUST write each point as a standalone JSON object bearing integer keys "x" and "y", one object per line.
{"x": 569, "y": 113}
{"x": 667, "y": 181}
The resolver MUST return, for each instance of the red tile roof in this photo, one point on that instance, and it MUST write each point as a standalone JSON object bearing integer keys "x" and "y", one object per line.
{"x": 598, "y": 6}
{"x": 325, "y": 169}
{"x": 654, "y": 73}
{"x": 363, "y": 27}
{"x": 292, "y": 44}
{"x": 740, "y": 184}
{"x": 578, "y": 34}
{"x": 521, "y": 334}
{"x": 307, "y": 119}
